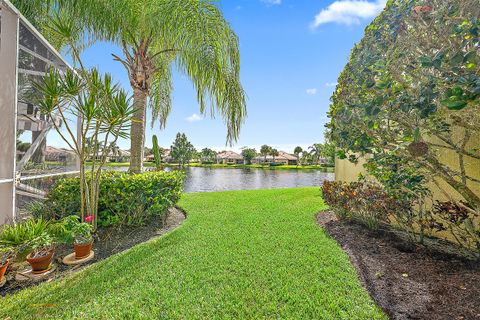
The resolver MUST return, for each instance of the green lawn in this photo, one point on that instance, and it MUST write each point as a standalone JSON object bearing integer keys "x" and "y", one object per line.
{"x": 239, "y": 255}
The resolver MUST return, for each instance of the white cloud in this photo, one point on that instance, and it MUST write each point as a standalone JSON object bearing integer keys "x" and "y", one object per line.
{"x": 272, "y": 2}
{"x": 330, "y": 84}
{"x": 312, "y": 91}
{"x": 194, "y": 117}
{"x": 348, "y": 12}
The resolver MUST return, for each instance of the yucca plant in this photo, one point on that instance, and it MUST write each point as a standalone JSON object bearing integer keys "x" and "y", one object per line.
{"x": 104, "y": 114}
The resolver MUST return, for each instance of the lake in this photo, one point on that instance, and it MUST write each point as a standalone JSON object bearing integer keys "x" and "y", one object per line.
{"x": 201, "y": 179}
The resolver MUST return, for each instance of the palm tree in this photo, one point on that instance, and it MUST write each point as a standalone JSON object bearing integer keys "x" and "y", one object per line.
{"x": 116, "y": 153}
{"x": 297, "y": 152}
{"x": 265, "y": 151}
{"x": 274, "y": 153}
{"x": 316, "y": 151}
{"x": 154, "y": 35}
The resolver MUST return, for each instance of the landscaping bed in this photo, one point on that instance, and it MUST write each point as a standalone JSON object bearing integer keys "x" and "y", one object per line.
{"x": 408, "y": 281}
{"x": 108, "y": 241}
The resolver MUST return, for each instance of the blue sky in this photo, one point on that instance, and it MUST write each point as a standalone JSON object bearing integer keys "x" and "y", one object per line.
{"x": 292, "y": 53}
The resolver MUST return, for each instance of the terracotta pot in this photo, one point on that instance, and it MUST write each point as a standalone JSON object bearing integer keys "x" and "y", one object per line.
{"x": 82, "y": 250}
{"x": 40, "y": 264}
{"x": 3, "y": 269}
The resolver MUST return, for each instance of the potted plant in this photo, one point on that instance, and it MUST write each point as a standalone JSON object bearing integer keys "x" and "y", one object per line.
{"x": 82, "y": 239}
{"x": 80, "y": 234}
{"x": 42, "y": 251}
{"x": 5, "y": 255}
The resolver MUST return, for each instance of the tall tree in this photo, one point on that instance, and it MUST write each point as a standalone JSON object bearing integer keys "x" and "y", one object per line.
{"x": 208, "y": 155}
{"x": 316, "y": 151}
{"x": 265, "y": 151}
{"x": 298, "y": 150}
{"x": 248, "y": 154}
{"x": 182, "y": 150}
{"x": 328, "y": 152}
{"x": 274, "y": 153}
{"x": 154, "y": 35}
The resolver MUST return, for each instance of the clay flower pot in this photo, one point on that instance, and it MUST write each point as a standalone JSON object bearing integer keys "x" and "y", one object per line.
{"x": 40, "y": 264}
{"x": 82, "y": 250}
{"x": 3, "y": 269}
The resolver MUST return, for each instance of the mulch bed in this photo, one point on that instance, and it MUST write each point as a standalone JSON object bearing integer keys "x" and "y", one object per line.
{"x": 406, "y": 280}
{"x": 108, "y": 241}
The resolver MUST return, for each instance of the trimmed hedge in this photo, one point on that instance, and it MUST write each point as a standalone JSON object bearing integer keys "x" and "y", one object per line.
{"x": 124, "y": 198}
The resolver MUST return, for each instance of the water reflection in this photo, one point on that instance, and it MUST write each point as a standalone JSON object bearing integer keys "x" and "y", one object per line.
{"x": 219, "y": 179}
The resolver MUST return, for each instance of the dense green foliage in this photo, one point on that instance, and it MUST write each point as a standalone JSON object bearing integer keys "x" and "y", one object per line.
{"x": 239, "y": 255}
{"x": 410, "y": 93}
{"x": 208, "y": 155}
{"x": 123, "y": 198}
{"x": 248, "y": 154}
{"x": 30, "y": 235}
{"x": 105, "y": 114}
{"x": 182, "y": 150}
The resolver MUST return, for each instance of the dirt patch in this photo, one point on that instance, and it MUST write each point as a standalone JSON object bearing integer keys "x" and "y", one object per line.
{"x": 108, "y": 241}
{"x": 408, "y": 281}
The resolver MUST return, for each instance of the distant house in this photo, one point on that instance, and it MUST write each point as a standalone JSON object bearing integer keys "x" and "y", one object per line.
{"x": 229, "y": 157}
{"x": 58, "y": 154}
{"x": 113, "y": 156}
{"x": 119, "y": 156}
{"x": 283, "y": 157}
{"x": 166, "y": 157}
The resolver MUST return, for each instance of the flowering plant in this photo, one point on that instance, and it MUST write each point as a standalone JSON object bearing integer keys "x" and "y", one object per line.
{"x": 76, "y": 231}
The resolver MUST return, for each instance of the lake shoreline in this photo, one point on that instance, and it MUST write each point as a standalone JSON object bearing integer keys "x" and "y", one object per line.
{"x": 232, "y": 166}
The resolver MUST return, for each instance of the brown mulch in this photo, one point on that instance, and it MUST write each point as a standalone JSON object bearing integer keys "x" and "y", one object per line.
{"x": 406, "y": 280}
{"x": 108, "y": 241}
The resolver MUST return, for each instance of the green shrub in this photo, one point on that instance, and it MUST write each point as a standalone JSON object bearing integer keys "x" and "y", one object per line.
{"x": 123, "y": 199}
{"x": 22, "y": 236}
{"x": 364, "y": 202}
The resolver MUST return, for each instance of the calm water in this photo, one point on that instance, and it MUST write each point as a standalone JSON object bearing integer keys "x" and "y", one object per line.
{"x": 219, "y": 179}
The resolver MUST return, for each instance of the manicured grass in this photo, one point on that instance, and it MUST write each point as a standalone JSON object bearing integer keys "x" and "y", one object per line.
{"x": 239, "y": 255}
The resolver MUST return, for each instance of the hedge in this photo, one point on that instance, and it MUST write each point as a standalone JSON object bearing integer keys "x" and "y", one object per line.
{"x": 124, "y": 198}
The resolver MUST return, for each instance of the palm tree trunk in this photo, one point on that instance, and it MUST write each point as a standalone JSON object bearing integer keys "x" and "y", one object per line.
{"x": 137, "y": 131}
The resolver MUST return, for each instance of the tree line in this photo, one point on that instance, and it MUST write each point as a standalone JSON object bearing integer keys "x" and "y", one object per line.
{"x": 182, "y": 151}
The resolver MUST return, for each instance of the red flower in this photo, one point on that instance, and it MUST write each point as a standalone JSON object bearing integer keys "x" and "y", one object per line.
{"x": 89, "y": 218}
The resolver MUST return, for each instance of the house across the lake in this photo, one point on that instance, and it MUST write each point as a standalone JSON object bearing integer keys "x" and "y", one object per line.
{"x": 113, "y": 156}
{"x": 283, "y": 157}
{"x": 166, "y": 157}
{"x": 229, "y": 157}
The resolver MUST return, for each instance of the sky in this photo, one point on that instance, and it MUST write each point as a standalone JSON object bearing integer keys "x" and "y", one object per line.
{"x": 292, "y": 52}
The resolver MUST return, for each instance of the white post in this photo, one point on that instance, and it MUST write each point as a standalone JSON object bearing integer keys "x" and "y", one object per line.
{"x": 8, "y": 111}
